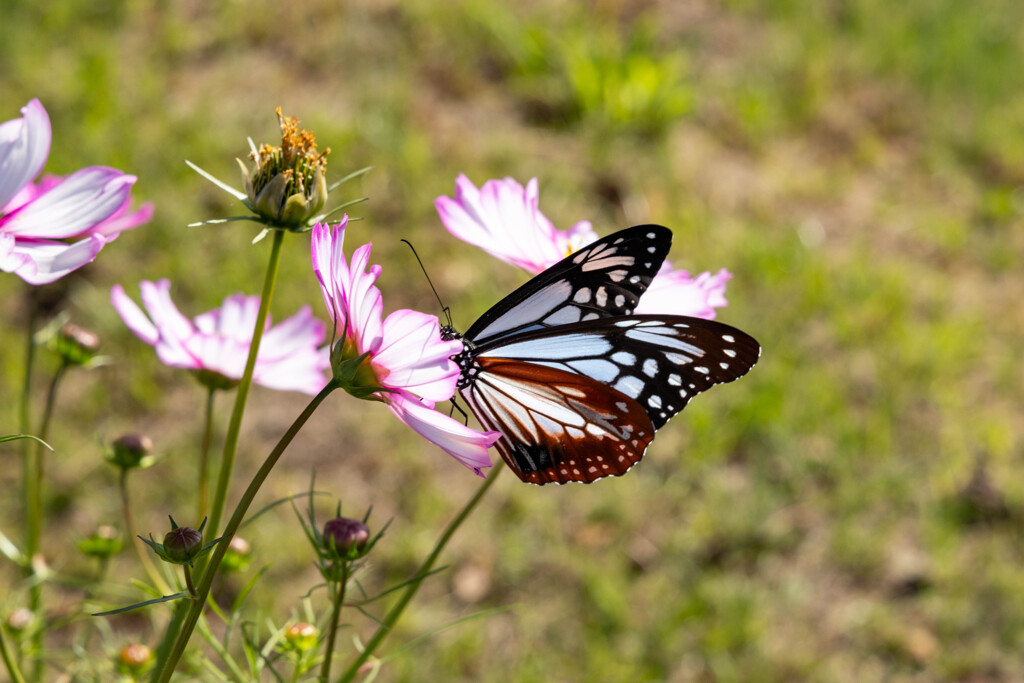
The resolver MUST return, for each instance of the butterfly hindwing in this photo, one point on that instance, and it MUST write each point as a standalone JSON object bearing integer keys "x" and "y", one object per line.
{"x": 603, "y": 279}
{"x": 558, "y": 426}
{"x": 661, "y": 362}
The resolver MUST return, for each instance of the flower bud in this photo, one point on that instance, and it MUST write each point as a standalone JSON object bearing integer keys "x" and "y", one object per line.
{"x": 182, "y": 544}
{"x": 238, "y": 556}
{"x": 19, "y": 620}
{"x": 345, "y": 536}
{"x": 300, "y": 636}
{"x": 288, "y": 185}
{"x": 134, "y": 658}
{"x": 76, "y": 345}
{"x": 214, "y": 380}
{"x": 104, "y": 543}
{"x": 129, "y": 451}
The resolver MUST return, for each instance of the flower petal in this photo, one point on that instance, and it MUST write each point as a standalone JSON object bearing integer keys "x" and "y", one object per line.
{"x": 674, "y": 292}
{"x": 75, "y": 206}
{"x": 415, "y": 358}
{"x": 24, "y": 147}
{"x": 44, "y": 261}
{"x": 466, "y": 445}
{"x": 133, "y": 316}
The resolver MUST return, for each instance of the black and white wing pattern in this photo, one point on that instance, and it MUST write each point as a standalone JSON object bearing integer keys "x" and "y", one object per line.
{"x": 603, "y": 279}
{"x": 575, "y": 383}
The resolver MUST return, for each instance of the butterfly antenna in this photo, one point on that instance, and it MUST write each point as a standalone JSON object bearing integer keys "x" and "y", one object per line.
{"x": 444, "y": 309}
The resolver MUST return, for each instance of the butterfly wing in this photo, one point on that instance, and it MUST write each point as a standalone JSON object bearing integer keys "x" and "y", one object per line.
{"x": 557, "y": 426}
{"x": 661, "y": 362}
{"x": 603, "y": 279}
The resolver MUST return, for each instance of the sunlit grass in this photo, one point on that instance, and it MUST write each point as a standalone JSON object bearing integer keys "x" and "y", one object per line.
{"x": 856, "y": 168}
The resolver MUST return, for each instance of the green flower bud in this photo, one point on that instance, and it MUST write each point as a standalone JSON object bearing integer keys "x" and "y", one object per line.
{"x": 300, "y": 636}
{"x": 104, "y": 543}
{"x": 129, "y": 451}
{"x": 134, "y": 658}
{"x": 238, "y": 556}
{"x": 76, "y": 345}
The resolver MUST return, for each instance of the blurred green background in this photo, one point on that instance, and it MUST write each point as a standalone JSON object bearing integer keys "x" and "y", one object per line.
{"x": 850, "y": 511}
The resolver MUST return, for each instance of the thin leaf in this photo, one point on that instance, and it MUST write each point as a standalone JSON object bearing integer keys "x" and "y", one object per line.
{"x": 351, "y": 176}
{"x": 219, "y": 183}
{"x": 129, "y": 608}
{"x": 229, "y": 219}
{"x": 12, "y": 437}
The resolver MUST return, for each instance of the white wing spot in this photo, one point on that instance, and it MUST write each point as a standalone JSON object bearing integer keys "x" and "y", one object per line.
{"x": 592, "y": 469}
{"x": 601, "y": 297}
{"x": 654, "y": 401}
{"x": 621, "y": 405}
{"x": 650, "y": 235}
{"x": 624, "y": 358}
{"x": 629, "y": 385}
{"x": 729, "y": 352}
{"x": 682, "y": 392}
{"x": 650, "y": 367}
{"x": 582, "y": 295}
{"x": 626, "y": 323}
{"x": 677, "y": 358}
{"x": 729, "y": 338}
{"x": 651, "y": 250}
{"x": 702, "y": 370}
{"x": 724, "y": 366}
{"x": 591, "y": 316}
{"x": 635, "y": 279}
{"x": 675, "y": 380}
{"x": 617, "y": 275}
{"x": 619, "y": 300}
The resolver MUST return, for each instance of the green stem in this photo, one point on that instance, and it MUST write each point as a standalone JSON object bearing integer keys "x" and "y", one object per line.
{"x": 140, "y": 548}
{"x": 235, "y": 426}
{"x": 163, "y": 673}
{"x": 35, "y": 521}
{"x": 204, "y": 457}
{"x": 25, "y": 419}
{"x": 8, "y": 657}
{"x": 410, "y": 591}
{"x": 339, "y": 599}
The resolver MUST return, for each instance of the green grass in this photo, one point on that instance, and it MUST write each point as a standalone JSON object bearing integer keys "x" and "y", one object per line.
{"x": 856, "y": 166}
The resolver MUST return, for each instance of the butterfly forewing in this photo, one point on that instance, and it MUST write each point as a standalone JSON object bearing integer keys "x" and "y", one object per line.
{"x": 603, "y": 279}
{"x": 558, "y": 426}
{"x": 661, "y": 362}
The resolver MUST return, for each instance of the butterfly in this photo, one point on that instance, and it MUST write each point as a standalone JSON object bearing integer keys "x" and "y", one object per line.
{"x": 576, "y": 384}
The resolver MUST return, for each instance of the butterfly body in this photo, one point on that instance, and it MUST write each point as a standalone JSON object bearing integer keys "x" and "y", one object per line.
{"x": 576, "y": 383}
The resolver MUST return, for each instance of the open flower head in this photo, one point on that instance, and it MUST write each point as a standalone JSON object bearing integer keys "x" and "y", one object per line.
{"x": 56, "y": 225}
{"x": 216, "y": 343}
{"x": 288, "y": 185}
{"x": 400, "y": 360}
{"x": 503, "y": 218}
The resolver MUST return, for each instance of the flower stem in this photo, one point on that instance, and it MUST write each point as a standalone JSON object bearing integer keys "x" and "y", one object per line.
{"x": 34, "y": 525}
{"x": 204, "y": 456}
{"x": 339, "y": 600}
{"x": 140, "y": 548}
{"x": 410, "y": 591}
{"x": 235, "y": 426}
{"x": 9, "y": 662}
{"x": 163, "y": 672}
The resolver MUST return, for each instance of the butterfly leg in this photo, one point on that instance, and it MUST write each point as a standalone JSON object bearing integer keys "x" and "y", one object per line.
{"x": 455, "y": 406}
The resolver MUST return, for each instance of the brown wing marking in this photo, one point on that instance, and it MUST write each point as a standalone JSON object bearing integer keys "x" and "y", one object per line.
{"x": 558, "y": 426}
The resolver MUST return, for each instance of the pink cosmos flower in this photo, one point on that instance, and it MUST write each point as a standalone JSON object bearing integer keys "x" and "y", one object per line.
{"x": 53, "y": 227}
{"x": 503, "y": 219}
{"x": 404, "y": 353}
{"x": 218, "y": 341}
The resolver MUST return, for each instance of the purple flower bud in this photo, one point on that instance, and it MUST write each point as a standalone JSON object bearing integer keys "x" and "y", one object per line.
{"x": 183, "y": 544}
{"x": 130, "y": 450}
{"x": 345, "y": 536}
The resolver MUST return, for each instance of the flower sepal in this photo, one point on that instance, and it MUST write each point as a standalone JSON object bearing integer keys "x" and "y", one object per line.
{"x": 354, "y": 375}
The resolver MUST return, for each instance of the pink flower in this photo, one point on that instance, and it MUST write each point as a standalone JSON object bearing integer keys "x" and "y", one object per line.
{"x": 402, "y": 354}
{"x": 503, "y": 219}
{"x": 40, "y": 224}
{"x": 218, "y": 341}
